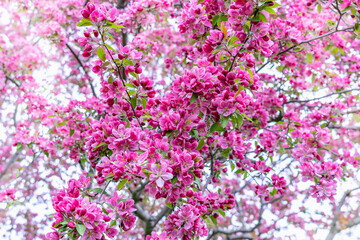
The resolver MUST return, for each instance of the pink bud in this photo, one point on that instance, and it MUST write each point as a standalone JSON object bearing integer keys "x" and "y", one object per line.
{"x": 138, "y": 70}
{"x": 85, "y": 13}
{"x": 90, "y": 7}
{"x": 88, "y": 48}
{"x": 71, "y": 224}
{"x": 121, "y": 56}
{"x": 130, "y": 68}
{"x": 82, "y": 41}
{"x": 96, "y": 33}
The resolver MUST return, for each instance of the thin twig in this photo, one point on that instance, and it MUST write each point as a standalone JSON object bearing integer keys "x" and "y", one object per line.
{"x": 303, "y": 42}
{"x": 122, "y": 80}
{"x": 318, "y": 98}
{"x": 82, "y": 66}
{"x": 103, "y": 191}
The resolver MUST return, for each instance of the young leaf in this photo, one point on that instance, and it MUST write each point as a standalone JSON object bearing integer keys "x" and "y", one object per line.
{"x": 84, "y": 22}
{"x": 270, "y": 10}
{"x": 193, "y": 98}
{"x": 224, "y": 121}
{"x": 122, "y": 184}
{"x": 216, "y": 127}
{"x": 80, "y": 228}
{"x": 262, "y": 17}
{"x": 201, "y": 144}
{"x": 223, "y": 29}
{"x": 101, "y": 54}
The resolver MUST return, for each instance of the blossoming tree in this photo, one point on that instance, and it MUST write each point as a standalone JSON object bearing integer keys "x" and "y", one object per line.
{"x": 170, "y": 119}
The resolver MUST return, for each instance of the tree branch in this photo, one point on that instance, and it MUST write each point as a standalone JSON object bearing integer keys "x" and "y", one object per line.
{"x": 82, "y": 66}
{"x": 308, "y": 42}
{"x": 10, "y": 163}
{"x": 314, "y": 99}
{"x": 333, "y": 229}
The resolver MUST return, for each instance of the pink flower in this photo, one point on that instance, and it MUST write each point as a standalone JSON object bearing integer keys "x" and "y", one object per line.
{"x": 160, "y": 174}
{"x": 226, "y": 108}
{"x": 53, "y": 236}
{"x": 128, "y": 221}
{"x": 111, "y": 232}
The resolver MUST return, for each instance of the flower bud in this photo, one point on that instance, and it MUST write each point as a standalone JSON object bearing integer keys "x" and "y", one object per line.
{"x": 85, "y": 13}
{"x": 90, "y": 7}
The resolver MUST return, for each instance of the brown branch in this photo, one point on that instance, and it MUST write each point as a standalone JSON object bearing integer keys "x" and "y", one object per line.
{"x": 333, "y": 229}
{"x": 121, "y": 4}
{"x": 306, "y": 42}
{"x": 122, "y": 80}
{"x": 211, "y": 170}
{"x": 11, "y": 80}
{"x": 85, "y": 3}
{"x": 342, "y": 127}
{"x": 82, "y": 66}
{"x": 10, "y": 163}
{"x": 318, "y": 98}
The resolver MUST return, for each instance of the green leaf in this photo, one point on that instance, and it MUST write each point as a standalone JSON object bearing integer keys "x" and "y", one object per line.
{"x": 72, "y": 131}
{"x": 221, "y": 212}
{"x": 101, "y": 54}
{"x": 146, "y": 172}
{"x": 196, "y": 133}
{"x": 80, "y": 228}
{"x": 275, "y": 5}
{"x": 262, "y": 17}
{"x": 216, "y": 127}
{"x": 144, "y": 102}
{"x": 112, "y": 223}
{"x": 46, "y": 153}
{"x": 201, "y": 144}
{"x": 353, "y": 11}
{"x": 82, "y": 162}
{"x": 357, "y": 27}
{"x": 193, "y": 98}
{"x": 213, "y": 219}
{"x": 111, "y": 48}
{"x": 240, "y": 121}
{"x": 316, "y": 180}
{"x": 224, "y": 121}
{"x": 346, "y": 9}
{"x": 97, "y": 190}
{"x": 244, "y": 115}
{"x": 122, "y": 184}
{"x": 63, "y": 228}
{"x": 215, "y": 19}
{"x": 281, "y": 150}
{"x": 133, "y": 102}
{"x": 273, "y": 192}
{"x": 319, "y": 8}
{"x": 309, "y": 58}
{"x": 116, "y": 27}
{"x": 84, "y": 22}
{"x": 131, "y": 92}
{"x": 233, "y": 39}
{"x": 99, "y": 145}
{"x": 226, "y": 152}
{"x": 232, "y": 165}
{"x": 250, "y": 73}
{"x": 270, "y": 10}
{"x": 110, "y": 36}
{"x": 19, "y": 147}
{"x": 62, "y": 123}
{"x": 111, "y": 79}
{"x": 169, "y": 205}
{"x": 174, "y": 180}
